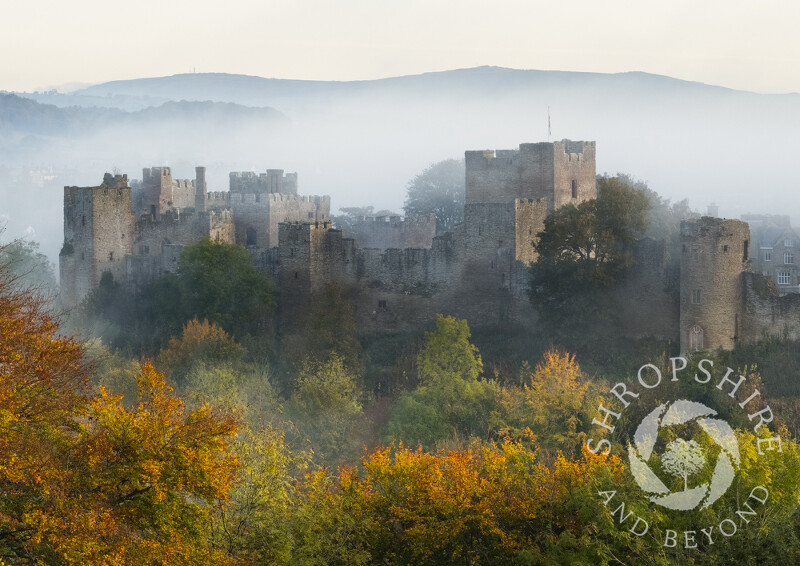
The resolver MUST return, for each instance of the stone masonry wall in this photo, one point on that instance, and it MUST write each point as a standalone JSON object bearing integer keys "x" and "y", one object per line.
{"x": 766, "y": 313}
{"x": 714, "y": 254}
{"x": 273, "y": 181}
{"x": 257, "y": 216}
{"x": 554, "y": 171}
{"x": 386, "y": 232}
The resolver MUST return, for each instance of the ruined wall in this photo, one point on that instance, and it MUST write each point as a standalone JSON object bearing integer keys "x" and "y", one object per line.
{"x": 273, "y": 181}
{"x": 560, "y": 172}
{"x": 648, "y": 294}
{"x": 258, "y": 216}
{"x": 98, "y": 233}
{"x": 714, "y": 253}
{"x": 216, "y": 200}
{"x": 161, "y": 192}
{"x": 174, "y": 228}
{"x": 766, "y": 313}
{"x": 386, "y": 232}
{"x": 489, "y": 246}
{"x": 529, "y": 216}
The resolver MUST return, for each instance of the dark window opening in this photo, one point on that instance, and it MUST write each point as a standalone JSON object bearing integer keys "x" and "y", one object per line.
{"x": 110, "y": 256}
{"x": 83, "y": 221}
{"x": 153, "y": 210}
{"x": 725, "y": 249}
{"x": 251, "y": 236}
{"x": 382, "y": 304}
{"x": 746, "y": 255}
{"x": 574, "y": 189}
{"x": 295, "y": 275}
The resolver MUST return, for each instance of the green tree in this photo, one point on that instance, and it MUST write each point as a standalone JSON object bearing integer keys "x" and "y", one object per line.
{"x": 582, "y": 251}
{"x": 439, "y": 189}
{"x": 451, "y": 402}
{"x": 447, "y": 354}
{"x": 218, "y": 282}
{"x": 325, "y": 403}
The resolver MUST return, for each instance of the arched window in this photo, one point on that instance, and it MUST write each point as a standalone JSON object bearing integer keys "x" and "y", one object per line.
{"x": 696, "y": 338}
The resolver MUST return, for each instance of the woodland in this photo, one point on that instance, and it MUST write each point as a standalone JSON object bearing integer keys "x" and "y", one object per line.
{"x": 177, "y": 426}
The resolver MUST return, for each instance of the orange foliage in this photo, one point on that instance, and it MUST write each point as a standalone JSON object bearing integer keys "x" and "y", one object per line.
{"x": 485, "y": 504}
{"x": 86, "y": 481}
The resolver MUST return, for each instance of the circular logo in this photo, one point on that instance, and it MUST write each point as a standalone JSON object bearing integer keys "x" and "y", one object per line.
{"x": 683, "y": 458}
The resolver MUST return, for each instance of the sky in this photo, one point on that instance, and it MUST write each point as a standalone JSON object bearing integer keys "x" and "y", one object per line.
{"x": 744, "y": 45}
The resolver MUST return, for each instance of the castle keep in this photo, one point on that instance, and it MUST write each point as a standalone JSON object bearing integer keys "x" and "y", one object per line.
{"x": 397, "y": 273}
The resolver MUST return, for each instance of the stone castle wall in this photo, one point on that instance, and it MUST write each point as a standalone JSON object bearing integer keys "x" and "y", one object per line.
{"x": 714, "y": 254}
{"x": 273, "y": 181}
{"x": 560, "y": 172}
{"x": 162, "y": 193}
{"x": 258, "y": 216}
{"x": 766, "y": 313}
{"x": 386, "y": 232}
{"x": 98, "y": 234}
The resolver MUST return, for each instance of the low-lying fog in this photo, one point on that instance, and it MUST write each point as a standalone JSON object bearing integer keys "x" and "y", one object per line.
{"x": 361, "y": 142}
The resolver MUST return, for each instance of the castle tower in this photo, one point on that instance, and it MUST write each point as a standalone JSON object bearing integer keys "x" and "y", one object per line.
{"x": 201, "y": 189}
{"x": 714, "y": 254}
{"x": 156, "y": 188}
{"x": 98, "y": 234}
{"x": 562, "y": 172}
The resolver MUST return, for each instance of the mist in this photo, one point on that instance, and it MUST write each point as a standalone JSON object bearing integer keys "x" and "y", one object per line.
{"x": 361, "y": 142}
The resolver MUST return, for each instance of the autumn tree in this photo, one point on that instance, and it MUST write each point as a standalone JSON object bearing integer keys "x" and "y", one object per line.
{"x": 201, "y": 343}
{"x": 439, "y": 189}
{"x": 86, "y": 480}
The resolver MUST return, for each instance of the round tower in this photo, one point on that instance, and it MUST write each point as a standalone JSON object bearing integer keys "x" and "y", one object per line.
{"x": 714, "y": 254}
{"x": 200, "y": 189}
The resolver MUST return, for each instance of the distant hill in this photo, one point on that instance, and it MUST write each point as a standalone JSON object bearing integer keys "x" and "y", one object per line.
{"x": 22, "y": 115}
{"x": 361, "y": 141}
{"x": 290, "y": 94}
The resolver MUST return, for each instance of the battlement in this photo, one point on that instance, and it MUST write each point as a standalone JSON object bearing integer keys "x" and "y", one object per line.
{"x": 270, "y": 198}
{"x": 273, "y": 181}
{"x": 562, "y": 172}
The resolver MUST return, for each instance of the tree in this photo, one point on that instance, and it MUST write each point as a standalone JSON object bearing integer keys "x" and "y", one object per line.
{"x": 451, "y": 401}
{"x": 28, "y": 267}
{"x": 349, "y": 216}
{"x": 326, "y": 326}
{"x": 200, "y": 343}
{"x": 86, "y": 480}
{"x": 682, "y": 459}
{"x": 582, "y": 251}
{"x": 447, "y": 354}
{"x": 439, "y": 189}
{"x": 219, "y": 283}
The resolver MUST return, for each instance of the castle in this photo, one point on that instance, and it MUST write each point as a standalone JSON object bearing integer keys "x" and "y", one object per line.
{"x": 397, "y": 273}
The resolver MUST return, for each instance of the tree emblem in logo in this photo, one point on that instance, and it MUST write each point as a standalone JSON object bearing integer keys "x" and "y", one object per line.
{"x": 682, "y": 458}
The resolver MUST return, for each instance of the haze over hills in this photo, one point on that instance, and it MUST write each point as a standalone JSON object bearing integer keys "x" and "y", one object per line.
{"x": 361, "y": 141}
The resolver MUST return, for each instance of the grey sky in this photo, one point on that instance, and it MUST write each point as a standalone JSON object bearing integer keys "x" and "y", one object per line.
{"x": 740, "y": 44}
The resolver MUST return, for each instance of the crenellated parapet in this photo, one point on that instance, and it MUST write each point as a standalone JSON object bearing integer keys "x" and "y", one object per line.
{"x": 394, "y": 231}
{"x": 273, "y": 181}
{"x": 561, "y": 172}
